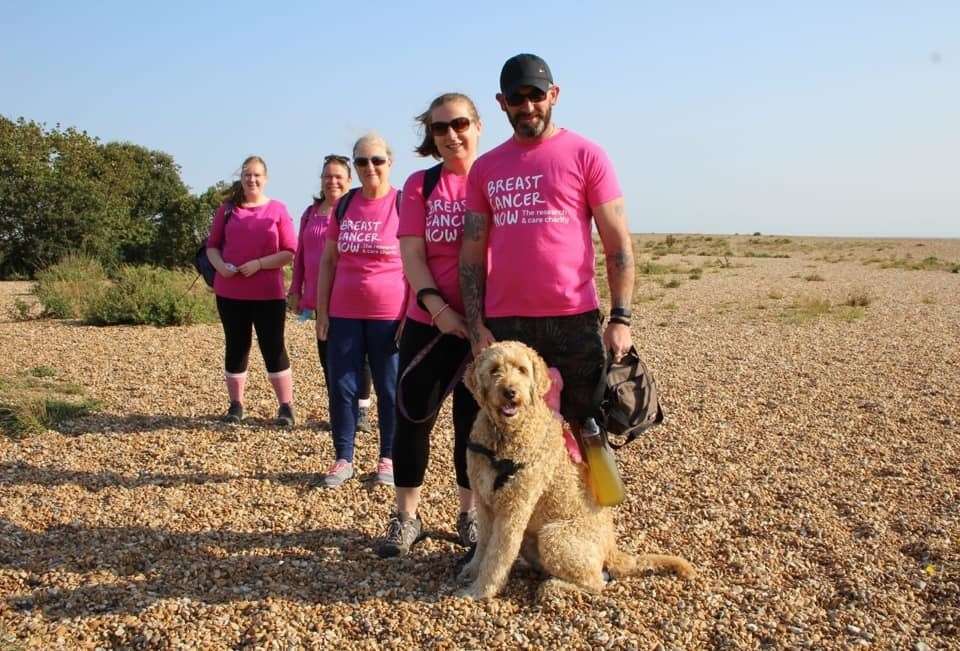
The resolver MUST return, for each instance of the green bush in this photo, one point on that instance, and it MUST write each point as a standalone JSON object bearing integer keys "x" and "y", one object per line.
{"x": 145, "y": 295}
{"x": 65, "y": 288}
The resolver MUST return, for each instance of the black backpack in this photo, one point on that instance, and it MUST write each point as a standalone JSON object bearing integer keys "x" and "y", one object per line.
{"x": 200, "y": 260}
{"x": 628, "y": 398}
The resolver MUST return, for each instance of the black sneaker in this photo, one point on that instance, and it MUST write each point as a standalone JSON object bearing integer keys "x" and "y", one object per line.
{"x": 402, "y": 531}
{"x": 285, "y": 415}
{"x": 363, "y": 422}
{"x": 234, "y": 413}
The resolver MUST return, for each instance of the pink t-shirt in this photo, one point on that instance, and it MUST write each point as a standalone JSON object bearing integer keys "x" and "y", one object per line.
{"x": 369, "y": 282}
{"x": 538, "y": 201}
{"x": 306, "y": 266}
{"x": 252, "y": 233}
{"x": 439, "y": 221}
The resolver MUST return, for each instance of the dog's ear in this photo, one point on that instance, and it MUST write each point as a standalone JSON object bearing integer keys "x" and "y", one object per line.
{"x": 471, "y": 380}
{"x": 540, "y": 374}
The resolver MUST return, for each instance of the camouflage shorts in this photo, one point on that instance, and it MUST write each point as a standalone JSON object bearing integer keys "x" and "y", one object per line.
{"x": 572, "y": 344}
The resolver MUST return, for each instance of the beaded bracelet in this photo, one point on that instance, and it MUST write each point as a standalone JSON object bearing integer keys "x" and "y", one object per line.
{"x": 433, "y": 317}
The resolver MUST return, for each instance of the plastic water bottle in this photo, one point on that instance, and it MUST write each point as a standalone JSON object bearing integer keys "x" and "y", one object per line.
{"x": 304, "y": 316}
{"x": 602, "y": 466}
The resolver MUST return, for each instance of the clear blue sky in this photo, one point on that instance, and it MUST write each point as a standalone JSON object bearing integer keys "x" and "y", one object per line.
{"x": 824, "y": 118}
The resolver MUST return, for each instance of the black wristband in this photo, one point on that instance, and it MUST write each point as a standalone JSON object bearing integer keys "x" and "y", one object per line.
{"x": 620, "y": 311}
{"x": 621, "y": 320}
{"x": 428, "y": 291}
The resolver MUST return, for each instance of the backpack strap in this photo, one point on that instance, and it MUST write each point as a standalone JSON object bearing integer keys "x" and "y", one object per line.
{"x": 348, "y": 197}
{"x": 343, "y": 203}
{"x": 430, "y": 179}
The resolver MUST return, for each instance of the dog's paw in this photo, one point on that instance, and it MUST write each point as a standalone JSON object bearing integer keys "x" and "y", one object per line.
{"x": 469, "y": 572}
{"x": 474, "y": 592}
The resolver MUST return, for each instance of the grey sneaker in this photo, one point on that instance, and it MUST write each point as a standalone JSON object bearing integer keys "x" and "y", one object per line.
{"x": 403, "y": 531}
{"x": 385, "y": 472}
{"x": 339, "y": 472}
{"x": 467, "y": 528}
{"x": 234, "y": 413}
{"x": 363, "y": 421}
{"x": 285, "y": 415}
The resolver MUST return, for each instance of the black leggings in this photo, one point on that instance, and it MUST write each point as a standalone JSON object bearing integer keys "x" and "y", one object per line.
{"x": 239, "y": 318}
{"x": 366, "y": 381}
{"x": 421, "y": 390}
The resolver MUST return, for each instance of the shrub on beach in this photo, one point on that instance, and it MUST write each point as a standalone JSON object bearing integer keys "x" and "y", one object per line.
{"x": 64, "y": 289}
{"x": 143, "y": 295}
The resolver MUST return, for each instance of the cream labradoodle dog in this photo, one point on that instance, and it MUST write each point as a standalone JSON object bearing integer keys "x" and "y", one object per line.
{"x": 531, "y": 498}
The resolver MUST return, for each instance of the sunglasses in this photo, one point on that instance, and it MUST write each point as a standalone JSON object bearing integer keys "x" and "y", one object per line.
{"x": 459, "y": 125}
{"x": 336, "y": 158}
{"x": 535, "y": 95}
{"x": 363, "y": 161}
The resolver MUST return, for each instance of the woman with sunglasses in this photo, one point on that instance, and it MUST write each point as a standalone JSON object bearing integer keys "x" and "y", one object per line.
{"x": 431, "y": 226}
{"x": 252, "y": 238}
{"x": 360, "y": 299}
{"x": 334, "y": 182}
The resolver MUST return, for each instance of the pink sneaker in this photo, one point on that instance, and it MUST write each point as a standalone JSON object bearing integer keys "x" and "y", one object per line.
{"x": 385, "y": 471}
{"x": 339, "y": 472}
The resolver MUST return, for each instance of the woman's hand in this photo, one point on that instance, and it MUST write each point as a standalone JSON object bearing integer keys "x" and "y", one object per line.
{"x": 250, "y": 267}
{"x": 323, "y": 326}
{"x": 450, "y": 322}
{"x": 227, "y": 270}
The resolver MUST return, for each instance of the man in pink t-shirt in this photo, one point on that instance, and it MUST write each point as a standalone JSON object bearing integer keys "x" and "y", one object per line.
{"x": 530, "y": 206}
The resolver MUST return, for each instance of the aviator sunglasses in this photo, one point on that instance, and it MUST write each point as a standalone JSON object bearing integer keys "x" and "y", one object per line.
{"x": 363, "y": 161}
{"x": 459, "y": 125}
{"x": 535, "y": 95}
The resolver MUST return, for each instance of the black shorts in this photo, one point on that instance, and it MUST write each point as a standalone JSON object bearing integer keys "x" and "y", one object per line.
{"x": 571, "y": 344}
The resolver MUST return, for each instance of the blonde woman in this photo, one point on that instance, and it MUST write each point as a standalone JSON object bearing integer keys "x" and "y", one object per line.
{"x": 252, "y": 238}
{"x": 360, "y": 299}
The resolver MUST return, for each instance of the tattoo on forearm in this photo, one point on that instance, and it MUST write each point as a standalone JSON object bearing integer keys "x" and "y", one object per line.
{"x": 472, "y": 280}
{"x": 620, "y": 260}
{"x": 474, "y": 226}
{"x": 620, "y": 275}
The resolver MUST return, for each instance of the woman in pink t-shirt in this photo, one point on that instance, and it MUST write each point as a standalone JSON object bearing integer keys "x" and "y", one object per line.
{"x": 361, "y": 294}
{"x": 252, "y": 238}
{"x": 302, "y": 297}
{"x": 431, "y": 227}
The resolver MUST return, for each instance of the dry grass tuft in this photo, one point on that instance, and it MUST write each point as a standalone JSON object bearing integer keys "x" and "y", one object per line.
{"x": 33, "y": 402}
{"x": 859, "y": 298}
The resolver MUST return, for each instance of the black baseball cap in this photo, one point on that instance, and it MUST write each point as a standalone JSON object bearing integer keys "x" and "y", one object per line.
{"x": 525, "y": 70}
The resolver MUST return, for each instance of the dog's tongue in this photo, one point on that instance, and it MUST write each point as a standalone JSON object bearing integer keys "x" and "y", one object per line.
{"x": 508, "y": 410}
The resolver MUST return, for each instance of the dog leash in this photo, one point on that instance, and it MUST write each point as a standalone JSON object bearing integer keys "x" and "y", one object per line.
{"x": 419, "y": 357}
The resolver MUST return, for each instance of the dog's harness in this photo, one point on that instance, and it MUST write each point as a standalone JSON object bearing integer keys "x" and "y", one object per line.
{"x": 506, "y": 468}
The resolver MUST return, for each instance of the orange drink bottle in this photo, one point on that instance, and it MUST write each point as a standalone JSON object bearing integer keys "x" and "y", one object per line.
{"x": 602, "y": 466}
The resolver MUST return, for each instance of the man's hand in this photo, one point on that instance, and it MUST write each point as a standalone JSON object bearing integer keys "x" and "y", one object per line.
{"x": 480, "y": 338}
{"x": 616, "y": 339}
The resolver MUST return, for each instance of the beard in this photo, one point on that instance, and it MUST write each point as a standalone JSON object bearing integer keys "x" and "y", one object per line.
{"x": 531, "y": 129}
